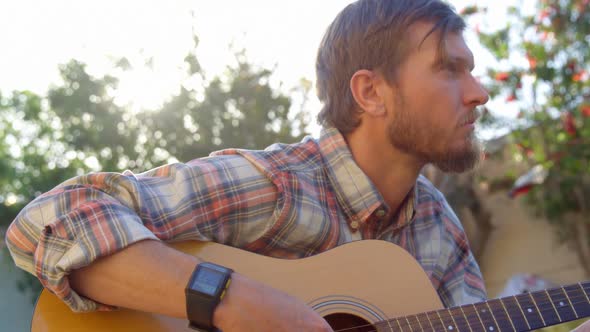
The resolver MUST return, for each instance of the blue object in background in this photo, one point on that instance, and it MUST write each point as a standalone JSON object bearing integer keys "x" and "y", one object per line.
{"x": 16, "y": 308}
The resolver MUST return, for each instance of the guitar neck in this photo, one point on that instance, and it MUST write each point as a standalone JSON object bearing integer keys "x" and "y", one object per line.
{"x": 522, "y": 312}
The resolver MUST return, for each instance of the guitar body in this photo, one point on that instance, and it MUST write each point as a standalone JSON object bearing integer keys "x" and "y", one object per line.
{"x": 354, "y": 284}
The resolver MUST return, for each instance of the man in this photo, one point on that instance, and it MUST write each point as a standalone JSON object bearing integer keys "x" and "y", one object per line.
{"x": 395, "y": 80}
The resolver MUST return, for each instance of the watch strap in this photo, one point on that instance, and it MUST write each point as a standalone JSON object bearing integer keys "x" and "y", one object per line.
{"x": 200, "y": 307}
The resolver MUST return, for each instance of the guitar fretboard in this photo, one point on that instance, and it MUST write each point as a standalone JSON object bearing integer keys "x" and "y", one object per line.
{"x": 522, "y": 312}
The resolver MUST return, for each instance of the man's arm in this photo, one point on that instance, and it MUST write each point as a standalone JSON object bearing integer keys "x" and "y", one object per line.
{"x": 99, "y": 232}
{"x": 150, "y": 276}
{"x": 130, "y": 278}
{"x": 99, "y": 214}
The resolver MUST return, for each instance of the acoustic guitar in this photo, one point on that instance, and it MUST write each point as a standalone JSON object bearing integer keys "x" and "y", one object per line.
{"x": 366, "y": 285}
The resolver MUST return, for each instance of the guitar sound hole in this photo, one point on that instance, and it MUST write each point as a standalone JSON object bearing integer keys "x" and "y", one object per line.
{"x": 341, "y": 321}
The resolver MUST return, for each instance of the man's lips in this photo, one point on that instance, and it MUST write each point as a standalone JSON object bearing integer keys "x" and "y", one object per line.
{"x": 470, "y": 119}
{"x": 469, "y": 122}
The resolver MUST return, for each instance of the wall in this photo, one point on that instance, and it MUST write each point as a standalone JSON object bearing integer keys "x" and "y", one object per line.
{"x": 16, "y": 309}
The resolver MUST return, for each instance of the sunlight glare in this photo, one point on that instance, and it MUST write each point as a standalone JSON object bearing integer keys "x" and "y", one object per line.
{"x": 156, "y": 36}
{"x": 11, "y": 199}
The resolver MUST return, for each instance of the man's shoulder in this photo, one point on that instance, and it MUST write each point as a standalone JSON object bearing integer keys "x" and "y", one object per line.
{"x": 223, "y": 165}
{"x": 300, "y": 156}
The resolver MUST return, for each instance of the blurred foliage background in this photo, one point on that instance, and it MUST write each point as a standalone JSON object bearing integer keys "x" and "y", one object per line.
{"x": 543, "y": 66}
{"x": 78, "y": 128}
{"x": 544, "y": 63}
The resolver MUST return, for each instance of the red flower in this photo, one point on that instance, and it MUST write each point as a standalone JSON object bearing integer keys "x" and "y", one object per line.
{"x": 556, "y": 155}
{"x": 571, "y": 64}
{"x": 568, "y": 124}
{"x": 502, "y": 76}
{"x": 511, "y": 97}
{"x": 585, "y": 110}
{"x": 579, "y": 76}
{"x": 544, "y": 14}
{"x": 532, "y": 62}
{"x": 529, "y": 153}
{"x": 520, "y": 191}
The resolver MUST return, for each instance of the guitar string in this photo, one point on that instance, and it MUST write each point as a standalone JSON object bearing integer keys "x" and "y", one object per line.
{"x": 469, "y": 323}
{"x": 542, "y": 304}
{"x": 471, "y": 319}
{"x": 574, "y": 300}
{"x": 446, "y": 314}
{"x": 413, "y": 327}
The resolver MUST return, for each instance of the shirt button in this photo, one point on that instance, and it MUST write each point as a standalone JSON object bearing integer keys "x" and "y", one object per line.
{"x": 380, "y": 213}
{"x": 354, "y": 225}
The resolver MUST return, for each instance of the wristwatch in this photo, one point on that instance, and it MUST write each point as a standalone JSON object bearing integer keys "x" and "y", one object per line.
{"x": 204, "y": 291}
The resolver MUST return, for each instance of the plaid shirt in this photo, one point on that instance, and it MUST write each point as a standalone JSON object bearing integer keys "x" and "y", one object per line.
{"x": 287, "y": 201}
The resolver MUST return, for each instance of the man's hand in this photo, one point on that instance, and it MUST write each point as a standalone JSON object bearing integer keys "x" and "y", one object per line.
{"x": 252, "y": 306}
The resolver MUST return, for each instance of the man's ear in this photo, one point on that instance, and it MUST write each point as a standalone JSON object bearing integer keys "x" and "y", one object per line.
{"x": 365, "y": 88}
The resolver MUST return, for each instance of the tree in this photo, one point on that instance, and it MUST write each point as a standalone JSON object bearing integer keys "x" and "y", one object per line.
{"x": 92, "y": 124}
{"x": 79, "y": 128}
{"x": 33, "y": 157}
{"x": 238, "y": 109}
{"x": 543, "y": 63}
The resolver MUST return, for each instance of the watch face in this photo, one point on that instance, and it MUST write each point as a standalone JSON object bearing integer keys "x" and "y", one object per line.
{"x": 207, "y": 281}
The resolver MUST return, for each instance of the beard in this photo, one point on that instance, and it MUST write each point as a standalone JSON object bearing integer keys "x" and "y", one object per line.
{"x": 413, "y": 137}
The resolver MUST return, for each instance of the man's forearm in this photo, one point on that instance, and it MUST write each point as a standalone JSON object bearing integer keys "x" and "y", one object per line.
{"x": 147, "y": 276}
{"x": 150, "y": 276}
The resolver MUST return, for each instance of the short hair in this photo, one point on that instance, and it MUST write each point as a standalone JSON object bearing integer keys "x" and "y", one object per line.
{"x": 373, "y": 35}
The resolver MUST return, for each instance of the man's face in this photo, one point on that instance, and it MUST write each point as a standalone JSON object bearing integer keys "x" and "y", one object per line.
{"x": 434, "y": 103}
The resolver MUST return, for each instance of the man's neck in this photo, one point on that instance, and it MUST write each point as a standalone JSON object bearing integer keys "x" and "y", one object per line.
{"x": 393, "y": 173}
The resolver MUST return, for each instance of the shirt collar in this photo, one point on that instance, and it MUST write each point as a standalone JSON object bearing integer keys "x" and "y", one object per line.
{"x": 354, "y": 190}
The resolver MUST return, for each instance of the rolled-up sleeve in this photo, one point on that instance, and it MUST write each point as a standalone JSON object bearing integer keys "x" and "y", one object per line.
{"x": 95, "y": 215}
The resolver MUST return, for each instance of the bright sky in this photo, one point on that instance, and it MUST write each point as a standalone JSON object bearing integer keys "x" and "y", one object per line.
{"x": 38, "y": 35}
